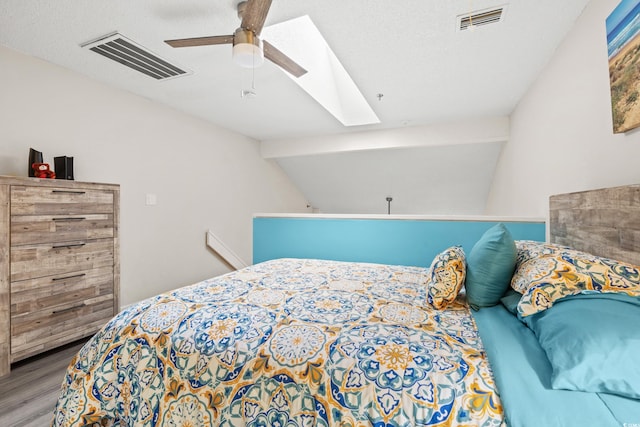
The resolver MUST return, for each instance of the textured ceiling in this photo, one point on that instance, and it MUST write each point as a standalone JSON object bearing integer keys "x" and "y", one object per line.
{"x": 408, "y": 50}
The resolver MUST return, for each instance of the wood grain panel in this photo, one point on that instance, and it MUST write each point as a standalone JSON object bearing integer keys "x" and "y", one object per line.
{"x": 30, "y": 200}
{"x": 33, "y": 261}
{"x": 5, "y": 362}
{"x": 603, "y": 222}
{"x": 30, "y": 229}
{"x": 116, "y": 250}
{"x": 68, "y": 314}
{"x": 58, "y": 330}
{"x": 51, "y": 292}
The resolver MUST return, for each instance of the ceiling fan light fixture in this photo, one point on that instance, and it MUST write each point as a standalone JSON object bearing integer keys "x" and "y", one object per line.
{"x": 247, "y": 49}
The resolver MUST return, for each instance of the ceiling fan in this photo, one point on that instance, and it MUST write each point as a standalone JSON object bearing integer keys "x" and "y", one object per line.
{"x": 248, "y": 50}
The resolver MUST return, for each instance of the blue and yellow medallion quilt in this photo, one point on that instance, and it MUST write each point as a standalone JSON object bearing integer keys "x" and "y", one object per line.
{"x": 289, "y": 343}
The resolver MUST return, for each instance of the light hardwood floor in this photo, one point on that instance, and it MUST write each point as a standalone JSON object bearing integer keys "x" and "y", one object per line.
{"x": 28, "y": 395}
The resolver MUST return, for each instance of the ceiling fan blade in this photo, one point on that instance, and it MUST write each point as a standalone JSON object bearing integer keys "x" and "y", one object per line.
{"x": 254, "y": 15}
{"x": 200, "y": 41}
{"x": 282, "y": 60}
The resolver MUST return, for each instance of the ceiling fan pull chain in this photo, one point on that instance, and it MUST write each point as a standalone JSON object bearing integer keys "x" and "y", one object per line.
{"x": 248, "y": 92}
{"x": 253, "y": 76}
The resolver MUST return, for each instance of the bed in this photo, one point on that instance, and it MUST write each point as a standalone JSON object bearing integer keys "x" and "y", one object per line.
{"x": 307, "y": 342}
{"x": 591, "y": 376}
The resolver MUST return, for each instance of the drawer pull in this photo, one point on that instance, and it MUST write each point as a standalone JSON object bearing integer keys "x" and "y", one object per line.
{"x": 64, "y": 310}
{"x": 68, "y": 192}
{"x": 68, "y": 245}
{"x": 75, "y": 276}
{"x": 78, "y": 218}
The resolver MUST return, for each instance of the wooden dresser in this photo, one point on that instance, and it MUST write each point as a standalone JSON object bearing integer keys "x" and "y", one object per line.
{"x": 59, "y": 263}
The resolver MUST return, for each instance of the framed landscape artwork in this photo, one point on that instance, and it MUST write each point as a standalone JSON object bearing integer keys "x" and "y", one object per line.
{"x": 623, "y": 45}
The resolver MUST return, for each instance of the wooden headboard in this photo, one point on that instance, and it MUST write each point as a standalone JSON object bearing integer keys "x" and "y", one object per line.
{"x": 603, "y": 222}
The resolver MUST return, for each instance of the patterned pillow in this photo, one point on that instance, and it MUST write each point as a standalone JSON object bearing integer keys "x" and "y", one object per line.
{"x": 547, "y": 272}
{"x": 529, "y": 249}
{"x": 446, "y": 277}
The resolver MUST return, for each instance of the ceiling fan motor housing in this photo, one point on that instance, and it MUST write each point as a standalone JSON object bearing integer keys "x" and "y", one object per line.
{"x": 247, "y": 49}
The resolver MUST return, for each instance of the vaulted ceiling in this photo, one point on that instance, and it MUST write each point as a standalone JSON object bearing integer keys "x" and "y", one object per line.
{"x": 407, "y": 57}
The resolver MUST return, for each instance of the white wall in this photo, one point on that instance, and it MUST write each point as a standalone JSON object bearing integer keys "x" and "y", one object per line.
{"x": 561, "y": 131}
{"x": 424, "y": 169}
{"x": 204, "y": 177}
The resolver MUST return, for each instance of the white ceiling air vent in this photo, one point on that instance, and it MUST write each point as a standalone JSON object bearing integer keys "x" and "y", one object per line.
{"x": 481, "y": 18}
{"x": 117, "y": 47}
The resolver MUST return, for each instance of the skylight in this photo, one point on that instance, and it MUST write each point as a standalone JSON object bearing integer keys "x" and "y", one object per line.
{"x": 327, "y": 81}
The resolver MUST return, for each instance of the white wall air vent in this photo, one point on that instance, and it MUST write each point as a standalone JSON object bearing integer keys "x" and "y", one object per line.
{"x": 481, "y": 18}
{"x": 118, "y": 48}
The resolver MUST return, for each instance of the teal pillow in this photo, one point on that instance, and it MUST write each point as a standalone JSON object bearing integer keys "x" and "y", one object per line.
{"x": 592, "y": 342}
{"x": 510, "y": 301}
{"x": 490, "y": 266}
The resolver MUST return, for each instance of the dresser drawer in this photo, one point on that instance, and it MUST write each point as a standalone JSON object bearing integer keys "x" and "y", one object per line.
{"x": 30, "y": 229}
{"x": 55, "y": 259}
{"x": 33, "y": 333}
{"x": 31, "y": 200}
{"x": 48, "y": 293}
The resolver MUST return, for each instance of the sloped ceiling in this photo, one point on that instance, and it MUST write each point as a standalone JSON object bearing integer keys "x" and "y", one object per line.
{"x": 449, "y": 179}
{"x": 407, "y": 50}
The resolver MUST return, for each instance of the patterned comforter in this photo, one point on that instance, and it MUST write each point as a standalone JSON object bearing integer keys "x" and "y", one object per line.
{"x": 287, "y": 343}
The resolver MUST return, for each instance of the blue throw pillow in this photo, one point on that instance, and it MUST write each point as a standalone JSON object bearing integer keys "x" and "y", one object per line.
{"x": 592, "y": 342}
{"x": 490, "y": 266}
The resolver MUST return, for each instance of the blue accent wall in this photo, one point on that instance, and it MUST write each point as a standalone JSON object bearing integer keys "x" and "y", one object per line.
{"x": 386, "y": 241}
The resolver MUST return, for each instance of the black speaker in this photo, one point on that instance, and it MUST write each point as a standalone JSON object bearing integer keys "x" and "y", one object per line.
{"x": 35, "y": 156}
{"x": 63, "y": 167}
